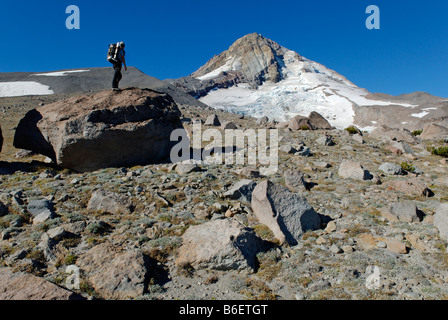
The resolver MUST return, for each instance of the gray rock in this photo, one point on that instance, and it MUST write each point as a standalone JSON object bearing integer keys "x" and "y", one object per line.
{"x": 353, "y": 170}
{"x": 289, "y": 149}
{"x": 325, "y": 140}
{"x": 220, "y": 245}
{"x": 115, "y": 274}
{"x": 441, "y": 220}
{"x": 36, "y": 207}
{"x": 402, "y": 211}
{"x": 263, "y": 120}
{"x": 57, "y": 234}
{"x": 335, "y": 249}
{"x": 358, "y": 138}
{"x": 295, "y": 180}
{"x": 242, "y": 190}
{"x": 303, "y": 151}
{"x": 391, "y": 168}
{"x": 212, "y": 120}
{"x": 111, "y": 202}
{"x": 43, "y": 217}
{"x": 103, "y": 130}
{"x": 186, "y": 168}
{"x": 226, "y": 125}
{"x": 285, "y": 213}
{"x": 404, "y": 147}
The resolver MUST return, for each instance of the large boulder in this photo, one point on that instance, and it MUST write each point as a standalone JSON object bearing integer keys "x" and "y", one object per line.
{"x": 299, "y": 123}
{"x": 317, "y": 121}
{"x": 314, "y": 121}
{"x": 115, "y": 274}
{"x": 107, "y": 129}
{"x": 25, "y": 286}
{"x": 287, "y": 214}
{"x": 219, "y": 245}
{"x": 434, "y": 131}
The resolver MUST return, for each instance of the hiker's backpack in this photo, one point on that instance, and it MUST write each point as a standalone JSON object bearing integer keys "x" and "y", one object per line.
{"x": 112, "y": 53}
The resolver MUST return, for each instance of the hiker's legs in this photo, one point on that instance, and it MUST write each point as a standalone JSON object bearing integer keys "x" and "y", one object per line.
{"x": 117, "y": 77}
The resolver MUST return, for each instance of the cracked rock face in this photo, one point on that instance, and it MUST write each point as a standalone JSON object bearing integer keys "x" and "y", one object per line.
{"x": 285, "y": 213}
{"x": 108, "y": 129}
{"x": 219, "y": 245}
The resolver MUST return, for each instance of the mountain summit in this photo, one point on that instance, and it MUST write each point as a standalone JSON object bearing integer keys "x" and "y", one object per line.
{"x": 258, "y": 77}
{"x": 252, "y": 59}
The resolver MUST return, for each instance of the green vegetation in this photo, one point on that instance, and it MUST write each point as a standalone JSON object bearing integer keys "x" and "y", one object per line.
{"x": 351, "y": 130}
{"x": 407, "y": 167}
{"x": 440, "y": 151}
{"x": 417, "y": 132}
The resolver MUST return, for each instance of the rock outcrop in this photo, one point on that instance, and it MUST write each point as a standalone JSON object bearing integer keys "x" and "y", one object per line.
{"x": 285, "y": 213}
{"x": 108, "y": 129}
{"x": 219, "y": 245}
{"x": 314, "y": 121}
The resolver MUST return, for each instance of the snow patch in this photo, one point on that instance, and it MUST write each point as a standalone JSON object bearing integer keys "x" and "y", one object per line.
{"x": 23, "y": 88}
{"x": 420, "y": 115}
{"x": 59, "y": 73}
{"x": 232, "y": 64}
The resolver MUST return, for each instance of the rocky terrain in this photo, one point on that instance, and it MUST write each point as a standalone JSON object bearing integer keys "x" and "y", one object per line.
{"x": 342, "y": 203}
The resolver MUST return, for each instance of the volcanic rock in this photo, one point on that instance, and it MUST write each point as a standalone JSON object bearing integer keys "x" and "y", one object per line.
{"x": 107, "y": 129}
{"x": 285, "y": 213}
{"x": 219, "y": 245}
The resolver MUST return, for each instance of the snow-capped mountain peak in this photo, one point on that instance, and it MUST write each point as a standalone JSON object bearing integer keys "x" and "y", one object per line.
{"x": 258, "y": 77}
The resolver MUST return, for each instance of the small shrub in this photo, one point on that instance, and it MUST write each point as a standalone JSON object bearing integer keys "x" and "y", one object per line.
{"x": 71, "y": 259}
{"x": 407, "y": 167}
{"x": 305, "y": 128}
{"x": 440, "y": 151}
{"x": 417, "y": 132}
{"x": 351, "y": 130}
{"x": 258, "y": 290}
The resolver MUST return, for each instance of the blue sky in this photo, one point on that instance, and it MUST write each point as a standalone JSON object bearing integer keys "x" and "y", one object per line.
{"x": 171, "y": 39}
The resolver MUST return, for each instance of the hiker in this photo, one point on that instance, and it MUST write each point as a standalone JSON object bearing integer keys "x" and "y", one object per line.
{"x": 120, "y": 59}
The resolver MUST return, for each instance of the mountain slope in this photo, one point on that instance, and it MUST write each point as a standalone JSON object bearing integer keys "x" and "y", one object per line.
{"x": 83, "y": 81}
{"x": 258, "y": 77}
